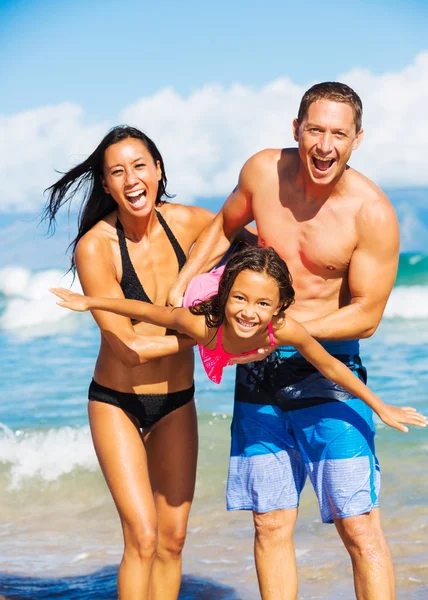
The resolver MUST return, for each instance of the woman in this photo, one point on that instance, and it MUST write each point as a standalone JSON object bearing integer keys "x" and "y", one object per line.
{"x": 131, "y": 243}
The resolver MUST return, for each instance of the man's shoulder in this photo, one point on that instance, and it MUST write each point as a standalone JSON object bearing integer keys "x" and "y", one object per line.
{"x": 375, "y": 208}
{"x": 369, "y": 194}
{"x": 271, "y": 160}
{"x": 273, "y": 155}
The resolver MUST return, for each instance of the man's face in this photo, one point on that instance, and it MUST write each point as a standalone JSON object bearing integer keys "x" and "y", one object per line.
{"x": 326, "y": 139}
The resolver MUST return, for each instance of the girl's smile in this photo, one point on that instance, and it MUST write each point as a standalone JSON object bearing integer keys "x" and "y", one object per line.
{"x": 253, "y": 301}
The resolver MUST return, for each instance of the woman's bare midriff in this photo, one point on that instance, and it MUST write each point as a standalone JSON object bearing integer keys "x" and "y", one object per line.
{"x": 159, "y": 376}
{"x": 170, "y": 373}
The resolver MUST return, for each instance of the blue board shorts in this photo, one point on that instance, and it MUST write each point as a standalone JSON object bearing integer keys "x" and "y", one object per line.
{"x": 290, "y": 422}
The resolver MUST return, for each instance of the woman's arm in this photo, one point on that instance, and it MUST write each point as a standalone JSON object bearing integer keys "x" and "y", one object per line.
{"x": 98, "y": 277}
{"x": 295, "y": 334}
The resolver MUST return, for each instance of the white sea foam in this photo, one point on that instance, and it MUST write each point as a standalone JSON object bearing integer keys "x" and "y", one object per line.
{"x": 28, "y": 302}
{"x": 413, "y": 260}
{"x": 45, "y": 455}
{"x": 408, "y": 302}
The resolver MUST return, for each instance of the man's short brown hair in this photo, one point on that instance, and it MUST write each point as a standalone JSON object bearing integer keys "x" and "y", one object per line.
{"x": 336, "y": 92}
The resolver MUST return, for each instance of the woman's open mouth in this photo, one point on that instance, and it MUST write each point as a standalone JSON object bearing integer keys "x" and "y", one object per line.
{"x": 137, "y": 199}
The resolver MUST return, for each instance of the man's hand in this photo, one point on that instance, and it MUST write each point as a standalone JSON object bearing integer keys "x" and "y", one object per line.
{"x": 259, "y": 354}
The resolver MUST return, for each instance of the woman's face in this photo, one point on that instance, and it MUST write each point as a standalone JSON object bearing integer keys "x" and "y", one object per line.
{"x": 131, "y": 176}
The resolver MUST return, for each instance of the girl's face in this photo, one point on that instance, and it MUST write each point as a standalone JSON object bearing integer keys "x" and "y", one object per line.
{"x": 252, "y": 302}
{"x": 131, "y": 176}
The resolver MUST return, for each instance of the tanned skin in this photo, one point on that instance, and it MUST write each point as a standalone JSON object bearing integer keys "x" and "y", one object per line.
{"x": 150, "y": 473}
{"x": 339, "y": 235}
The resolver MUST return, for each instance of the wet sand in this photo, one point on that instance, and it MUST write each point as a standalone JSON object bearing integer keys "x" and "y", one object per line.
{"x": 63, "y": 538}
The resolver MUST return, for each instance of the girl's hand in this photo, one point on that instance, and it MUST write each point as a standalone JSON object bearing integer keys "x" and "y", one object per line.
{"x": 71, "y": 300}
{"x": 255, "y": 356}
{"x": 395, "y": 416}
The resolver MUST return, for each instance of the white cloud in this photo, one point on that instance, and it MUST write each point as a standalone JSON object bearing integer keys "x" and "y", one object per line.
{"x": 36, "y": 142}
{"x": 206, "y": 137}
{"x": 395, "y": 124}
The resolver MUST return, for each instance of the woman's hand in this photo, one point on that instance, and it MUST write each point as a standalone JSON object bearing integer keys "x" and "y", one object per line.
{"x": 395, "y": 416}
{"x": 71, "y": 300}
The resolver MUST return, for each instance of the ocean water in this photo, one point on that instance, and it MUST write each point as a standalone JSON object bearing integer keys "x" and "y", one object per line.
{"x": 59, "y": 532}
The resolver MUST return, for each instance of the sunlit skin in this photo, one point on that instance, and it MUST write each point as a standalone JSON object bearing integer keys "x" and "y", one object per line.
{"x": 339, "y": 236}
{"x": 326, "y": 139}
{"x": 151, "y": 474}
{"x": 131, "y": 177}
{"x": 247, "y": 313}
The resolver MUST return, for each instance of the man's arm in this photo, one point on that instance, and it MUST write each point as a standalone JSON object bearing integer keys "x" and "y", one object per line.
{"x": 215, "y": 239}
{"x": 371, "y": 275}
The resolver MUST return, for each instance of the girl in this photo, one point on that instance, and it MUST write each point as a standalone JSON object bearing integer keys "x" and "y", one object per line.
{"x": 246, "y": 313}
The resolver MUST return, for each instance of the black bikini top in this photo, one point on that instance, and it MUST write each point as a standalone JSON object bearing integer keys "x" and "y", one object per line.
{"x": 130, "y": 284}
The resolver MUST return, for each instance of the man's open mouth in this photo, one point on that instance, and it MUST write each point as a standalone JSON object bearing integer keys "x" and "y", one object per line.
{"x": 322, "y": 164}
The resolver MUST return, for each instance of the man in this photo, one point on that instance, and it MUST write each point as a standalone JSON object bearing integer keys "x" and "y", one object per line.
{"x": 339, "y": 235}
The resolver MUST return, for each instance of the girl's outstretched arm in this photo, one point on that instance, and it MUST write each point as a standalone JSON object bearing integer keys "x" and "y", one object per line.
{"x": 179, "y": 319}
{"x": 295, "y": 334}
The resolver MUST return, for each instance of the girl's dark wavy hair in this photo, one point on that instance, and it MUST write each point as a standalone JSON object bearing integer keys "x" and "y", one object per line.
{"x": 257, "y": 259}
{"x": 86, "y": 177}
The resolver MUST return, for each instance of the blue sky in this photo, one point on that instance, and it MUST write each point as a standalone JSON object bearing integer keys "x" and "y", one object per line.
{"x": 103, "y": 53}
{"x": 210, "y": 82}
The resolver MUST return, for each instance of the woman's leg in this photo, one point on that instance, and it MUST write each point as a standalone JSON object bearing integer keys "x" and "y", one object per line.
{"x": 122, "y": 457}
{"x": 172, "y": 447}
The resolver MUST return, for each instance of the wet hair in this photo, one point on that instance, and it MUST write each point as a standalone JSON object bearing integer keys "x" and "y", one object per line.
{"x": 336, "y": 92}
{"x": 86, "y": 177}
{"x": 253, "y": 258}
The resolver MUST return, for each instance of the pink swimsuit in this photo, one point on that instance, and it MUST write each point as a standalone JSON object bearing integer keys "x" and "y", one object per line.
{"x": 215, "y": 360}
{"x": 201, "y": 287}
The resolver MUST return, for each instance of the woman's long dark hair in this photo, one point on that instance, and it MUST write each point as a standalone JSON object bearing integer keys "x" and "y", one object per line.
{"x": 253, "y": 258}
{"x": 87, "y": 177}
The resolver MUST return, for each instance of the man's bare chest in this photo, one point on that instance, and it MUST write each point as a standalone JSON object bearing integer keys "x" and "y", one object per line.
{"x": 321, "y": 244}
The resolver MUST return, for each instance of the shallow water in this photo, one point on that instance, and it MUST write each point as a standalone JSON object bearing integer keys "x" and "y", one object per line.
{"x": 59, "y": 532}
{"x": 69, "y": 529}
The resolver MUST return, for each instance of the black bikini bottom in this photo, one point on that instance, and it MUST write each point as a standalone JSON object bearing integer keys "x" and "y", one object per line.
{"x": 147, "y": 408}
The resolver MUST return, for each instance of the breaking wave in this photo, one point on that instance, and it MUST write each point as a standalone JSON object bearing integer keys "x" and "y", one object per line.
{"x": 26, "y": 304}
